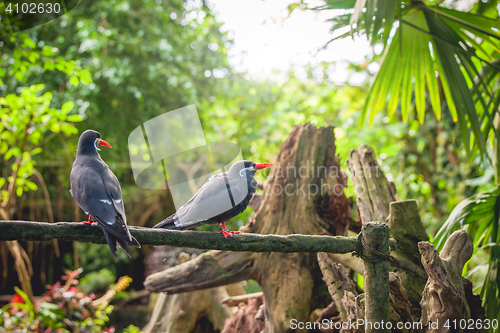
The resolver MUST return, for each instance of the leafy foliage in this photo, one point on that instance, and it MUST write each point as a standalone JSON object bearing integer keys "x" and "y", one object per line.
{"x": 435, "y": 54}
{"x": 24, "y": 121}
{"x": 431, "y": 48}
{"x": 64, "y": 308}
{"x": 97, "y": 281}
{"x": 480, "y": 215}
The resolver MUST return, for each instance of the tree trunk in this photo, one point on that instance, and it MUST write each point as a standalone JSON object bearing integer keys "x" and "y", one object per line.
{"x": 302, "y": 195}
{"x": 197, "y": 311}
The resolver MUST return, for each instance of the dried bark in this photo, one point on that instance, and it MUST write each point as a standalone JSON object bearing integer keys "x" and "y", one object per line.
{"x": 349, "y": 261}
{"x": 406, "y": 227}
{"x": 375, "y": 197}
{"x": 373, "y": 191}
{"x": 185, "y": 312}
{"x": 337, "y": 281}
{"x": 245, "y": 320}
{"x": 236, "y": 300}
{"x": 181, "y": 312}
{"x": 219, "y": 268}
{"x": 444, "y": 296}
{"x": 399, "y": 301}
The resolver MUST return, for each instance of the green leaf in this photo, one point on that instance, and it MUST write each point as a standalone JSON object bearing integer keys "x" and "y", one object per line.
{"x": 27, "y": 301}
{"x": 421, "y": 48}
{"x": 68, "y": 128}
{"x": 74, "y": 81}
{"x": 480, "y": 23}
{"x": 30, "y": 185}
{"x": 74, "y": 118}
{"x": 55, "y": 127}
{"x": 67, "y": 107}
{"x": 19, "y": 75}
{"x": 49, "y": 66}
{"x": 432, "y": 84}
{"x": 85, "y": 77}
{"x": 476, "y": 209}
{"x": 36, "y": 151}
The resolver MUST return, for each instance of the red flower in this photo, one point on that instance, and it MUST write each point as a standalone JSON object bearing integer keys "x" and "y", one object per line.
{"x": 16, "y": 299}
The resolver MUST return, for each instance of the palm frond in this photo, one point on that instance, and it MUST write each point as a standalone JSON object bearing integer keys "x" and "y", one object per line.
{"x": 476, "y": 213}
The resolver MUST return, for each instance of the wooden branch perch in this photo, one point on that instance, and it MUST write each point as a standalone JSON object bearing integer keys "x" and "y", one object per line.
{"x": 41, "y": 231}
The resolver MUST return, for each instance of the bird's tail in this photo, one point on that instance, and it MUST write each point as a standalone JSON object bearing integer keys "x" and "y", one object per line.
{"x": 114, "y": 243}
{"x": 168, "y": 223}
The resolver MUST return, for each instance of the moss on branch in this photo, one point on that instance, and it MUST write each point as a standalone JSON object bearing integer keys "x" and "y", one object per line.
{"x": 41, "y": 231}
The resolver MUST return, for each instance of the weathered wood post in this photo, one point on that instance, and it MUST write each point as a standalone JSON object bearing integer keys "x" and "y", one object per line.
{"x": 373, "y": 243}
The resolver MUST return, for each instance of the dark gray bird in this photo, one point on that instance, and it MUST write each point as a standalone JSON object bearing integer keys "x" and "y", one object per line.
{"x": 221, "y": 198}
{"x": 97, "y": 191}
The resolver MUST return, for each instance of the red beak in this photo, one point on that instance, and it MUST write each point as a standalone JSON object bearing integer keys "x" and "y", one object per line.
{"x": 263, "y": 166}
{"x": 104, "y": 143}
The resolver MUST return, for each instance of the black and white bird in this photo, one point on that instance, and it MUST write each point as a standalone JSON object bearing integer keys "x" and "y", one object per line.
{"x": 221, "y": 198}
{"x": 97, "y": 191}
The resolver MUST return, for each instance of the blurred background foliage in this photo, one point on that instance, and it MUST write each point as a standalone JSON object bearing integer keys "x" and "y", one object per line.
{"x": 112, "y": 65}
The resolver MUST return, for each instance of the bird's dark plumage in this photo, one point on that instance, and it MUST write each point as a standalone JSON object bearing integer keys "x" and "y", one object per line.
{"x": 237, "y": 184}
{"x": 97, "y": 191}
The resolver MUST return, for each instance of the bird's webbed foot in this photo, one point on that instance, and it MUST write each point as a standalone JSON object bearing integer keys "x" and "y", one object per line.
{"x": 224, "y": 231}
{"x": 90, "y": 221}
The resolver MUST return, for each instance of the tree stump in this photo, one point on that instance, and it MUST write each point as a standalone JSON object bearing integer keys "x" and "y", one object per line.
{"x": 246, "y": 319}
{"x": 303, "y": 194}
{"x": 201, "y": 310}
{"x": 443, "y": 299}
{"x": 373, "y": 192}
{"x": 376, "y": 201}
{"x": 406, "y": 227}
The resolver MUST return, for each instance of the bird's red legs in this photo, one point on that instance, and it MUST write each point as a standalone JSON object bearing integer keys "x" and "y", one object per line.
{"x": 89, "y": 222}
{"x": 223, "y": 230}
{"x": 230, "y": 233}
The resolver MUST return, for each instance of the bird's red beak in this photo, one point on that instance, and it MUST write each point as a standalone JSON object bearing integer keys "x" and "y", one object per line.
{"x": 104, "y": 143}
{"x": 263, "y": 166}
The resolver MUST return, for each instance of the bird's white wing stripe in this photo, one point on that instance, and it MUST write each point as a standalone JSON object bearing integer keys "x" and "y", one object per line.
{"x": 118, "y": 201}
{"x": 106, "y": 201}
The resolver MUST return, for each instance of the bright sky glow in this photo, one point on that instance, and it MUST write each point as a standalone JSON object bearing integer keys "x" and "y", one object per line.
{"x": 265, "y": 40}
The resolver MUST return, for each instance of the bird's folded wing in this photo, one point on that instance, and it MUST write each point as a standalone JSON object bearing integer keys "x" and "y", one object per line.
{"x": 95, "y": 200}
{"x": 113, "y": 189}
{"x": 212, "y": 199}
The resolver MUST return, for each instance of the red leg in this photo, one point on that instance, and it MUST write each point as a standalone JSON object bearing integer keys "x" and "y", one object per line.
{"x": 224, "y": 231}
{"x": 231, "y": 232}
{"x": 90, "y": 222}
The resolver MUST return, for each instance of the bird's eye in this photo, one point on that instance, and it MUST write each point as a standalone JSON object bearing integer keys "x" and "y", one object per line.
{"x": 96, "y": 143}
{"x": 243, "y": 170}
